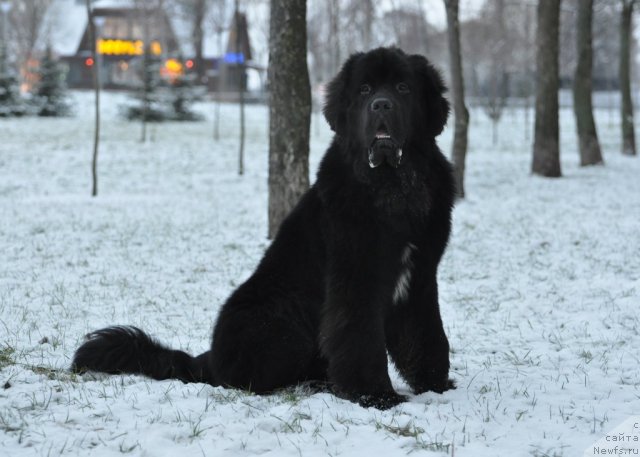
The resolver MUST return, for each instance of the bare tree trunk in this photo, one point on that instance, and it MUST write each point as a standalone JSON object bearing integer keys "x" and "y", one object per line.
{"x": 526, "y": 117}
{"x": 546, "y": 146}
{"x": 424, "y": 26}
{"x": 219, "y": 86}
{"x": 334, "y": 39}
{"x": 199, "y": 13}
{"x": 528, "y": 80}
{"x": 494, "y": 131}
{"x": 219, "y": 26}
{"x": 145, "y": 59}
{"x": 368, "y": 23}
{"x": 498, "y": 81}
{"x": 459, "y": 153}
{"x": 241, "y": 83}
{"x": 96, "y": 84}
{"x": 590, "y": 153}
{"x": 628, "y": 133}
{"x": 289, "y": 109}
{"x": 28, "y": 18}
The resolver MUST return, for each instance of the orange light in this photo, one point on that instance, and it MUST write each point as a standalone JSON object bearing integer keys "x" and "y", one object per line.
{"x": 173, "y": 66}
{"x": 156, "y": 49}
{"x": 89, "y": 62}
{"x": 189, "y": 63}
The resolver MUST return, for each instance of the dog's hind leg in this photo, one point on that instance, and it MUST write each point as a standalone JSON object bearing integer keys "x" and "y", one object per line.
{"x": 258, "y": 349}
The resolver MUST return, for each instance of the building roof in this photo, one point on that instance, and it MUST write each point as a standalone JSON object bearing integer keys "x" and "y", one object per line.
{"x": 62, "y": 27}
{"x": 66, "y": 21}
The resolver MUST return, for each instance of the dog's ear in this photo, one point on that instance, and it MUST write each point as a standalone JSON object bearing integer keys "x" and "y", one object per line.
{"x": 436, "y": 106}
{"x": 336, "y": 96}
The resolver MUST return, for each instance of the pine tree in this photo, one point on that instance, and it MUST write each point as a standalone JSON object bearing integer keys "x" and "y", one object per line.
{"x": 51, "y": 96}
{"x": 183, "y": 93}
{"x": 148, "y": 94}
{"x": 11, "y": 103}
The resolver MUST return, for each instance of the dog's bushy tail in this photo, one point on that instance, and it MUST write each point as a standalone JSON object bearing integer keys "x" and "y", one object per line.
{"x": 118, "y": 350}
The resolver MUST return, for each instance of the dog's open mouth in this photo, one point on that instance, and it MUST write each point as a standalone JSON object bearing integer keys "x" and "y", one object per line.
{"x": 383, "y": 148}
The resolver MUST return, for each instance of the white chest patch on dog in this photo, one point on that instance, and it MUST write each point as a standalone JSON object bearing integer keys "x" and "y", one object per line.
{"x": 401, "y": 290}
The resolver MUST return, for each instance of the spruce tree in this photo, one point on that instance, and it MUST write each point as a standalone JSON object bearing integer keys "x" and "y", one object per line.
{"x": 183, "y": 94}
{"x": 51, "y": 96}
{"x": 148, "y": 94}
{"x": 11, "y": 104}
{"x": 10, "y": 101}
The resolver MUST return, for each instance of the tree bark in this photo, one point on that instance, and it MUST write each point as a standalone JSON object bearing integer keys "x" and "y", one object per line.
{"x": 289, "y": 109}
{"x": 368, "y": 23}
{"x": 334, "y": 38}
{"x": 242, "y": 75}
{"x": 197, "y": 35}
{"x": 461, "y": 113}
{"x": 628, "y": 133}
{"x": 96, "y": 85}
{"x": 546, "y": 145}
{"x": 590, "y": 153}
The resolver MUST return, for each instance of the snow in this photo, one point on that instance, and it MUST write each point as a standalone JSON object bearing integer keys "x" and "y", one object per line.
{"x": 539, "y": 294}
{"x": 63, "y": 26}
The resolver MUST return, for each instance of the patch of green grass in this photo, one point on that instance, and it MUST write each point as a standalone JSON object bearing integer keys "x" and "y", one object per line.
{"x": 196, "y": 429}
{"x": 408, "y": 430}
{"x": 6, "y": 357}
{"x": 433, "y": 446}
{"x": 518, "y": 360}
{"x": 294, "y": 423}
{"x": 587, "y": 356}
{"x": 54, "y": 374}
{"x": 126, "y": 448}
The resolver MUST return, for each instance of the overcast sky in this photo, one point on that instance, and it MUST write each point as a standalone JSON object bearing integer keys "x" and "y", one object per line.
{"x": 435, "y": 12}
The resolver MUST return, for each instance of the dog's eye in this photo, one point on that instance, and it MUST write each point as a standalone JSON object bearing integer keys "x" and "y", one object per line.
{"x": 365, "y": 89}
{"x": 403, "y": 88}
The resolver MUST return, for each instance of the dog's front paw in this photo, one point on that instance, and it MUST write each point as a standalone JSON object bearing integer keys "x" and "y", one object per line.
{"x": 438, "y": 387}
{"x": 381, "y": 401}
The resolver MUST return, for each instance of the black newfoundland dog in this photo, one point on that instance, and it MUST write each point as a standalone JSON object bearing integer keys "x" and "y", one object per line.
{"x": 351, "y": 275}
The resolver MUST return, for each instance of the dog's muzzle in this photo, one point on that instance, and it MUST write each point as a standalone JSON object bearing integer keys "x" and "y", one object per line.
{"x": 384, "y": 149}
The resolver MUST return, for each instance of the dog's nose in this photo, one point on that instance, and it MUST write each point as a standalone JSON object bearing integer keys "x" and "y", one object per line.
{"x": 381, "y": 104}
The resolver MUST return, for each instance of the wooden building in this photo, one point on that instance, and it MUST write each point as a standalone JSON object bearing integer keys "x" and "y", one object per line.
{"x": 124, "y": 32}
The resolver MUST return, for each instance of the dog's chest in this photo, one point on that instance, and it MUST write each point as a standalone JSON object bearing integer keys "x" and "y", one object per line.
{"x": 403, "y": 281}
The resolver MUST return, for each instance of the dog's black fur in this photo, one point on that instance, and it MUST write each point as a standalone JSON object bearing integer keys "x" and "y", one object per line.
{"x": 351, "y": 274}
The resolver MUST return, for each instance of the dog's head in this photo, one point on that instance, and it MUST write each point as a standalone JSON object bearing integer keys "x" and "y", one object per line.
{"x": 382, "y": 100}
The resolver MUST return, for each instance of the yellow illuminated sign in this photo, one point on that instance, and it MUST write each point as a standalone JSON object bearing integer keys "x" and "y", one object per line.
{"x": 111, "y": 47}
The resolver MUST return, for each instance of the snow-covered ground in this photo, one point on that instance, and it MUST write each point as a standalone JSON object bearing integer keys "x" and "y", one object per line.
{"x": 540, "y": 294}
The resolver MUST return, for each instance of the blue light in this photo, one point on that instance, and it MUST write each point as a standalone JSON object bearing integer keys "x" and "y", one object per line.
{"x": 234, "y": 57}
